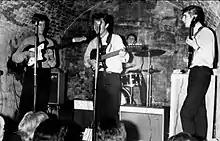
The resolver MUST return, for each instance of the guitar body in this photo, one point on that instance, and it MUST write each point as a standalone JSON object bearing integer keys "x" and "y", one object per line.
{"x": 103, "y": 56}
{"x": 31, "y": 60}
{"x": 102, "y": 51}
{"x": 41, "y": 49}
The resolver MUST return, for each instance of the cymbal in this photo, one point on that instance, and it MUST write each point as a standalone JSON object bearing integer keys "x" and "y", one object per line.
{"x": 151, "y": 52}
{"x": 151, "y": 70}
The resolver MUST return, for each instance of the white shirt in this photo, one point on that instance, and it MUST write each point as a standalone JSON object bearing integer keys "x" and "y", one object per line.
{"x": 114, "y": 64}
{"x": 204, "y": 55}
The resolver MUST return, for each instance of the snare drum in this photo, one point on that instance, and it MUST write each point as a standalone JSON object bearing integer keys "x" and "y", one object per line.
{"x": 131, "y": 79}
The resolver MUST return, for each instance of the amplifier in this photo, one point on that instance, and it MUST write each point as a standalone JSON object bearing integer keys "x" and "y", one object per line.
{"x": 142, "y": 123}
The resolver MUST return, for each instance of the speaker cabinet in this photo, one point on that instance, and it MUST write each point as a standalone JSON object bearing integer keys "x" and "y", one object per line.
{"x": 57, "y": 90}
{"x": 142, "y": 123}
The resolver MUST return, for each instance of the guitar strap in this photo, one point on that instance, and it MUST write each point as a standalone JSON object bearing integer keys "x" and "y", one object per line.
{"x": 109, "y": 38}
{"x": 190, "y": 59}
{"x": 198, "y": 30}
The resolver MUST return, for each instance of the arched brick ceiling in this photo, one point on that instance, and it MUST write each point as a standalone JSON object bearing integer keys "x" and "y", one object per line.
{"x": 211, "y": 9}
{"x": 65, "y": 14}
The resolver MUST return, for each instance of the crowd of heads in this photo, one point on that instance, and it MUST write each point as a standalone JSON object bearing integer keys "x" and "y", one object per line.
{"x": 184, "y": 136}
{"x": 39, "y": 126}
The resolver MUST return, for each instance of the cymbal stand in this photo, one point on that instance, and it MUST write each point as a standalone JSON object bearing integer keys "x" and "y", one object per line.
{"x": 149, "y": 89}
{"x": 131, "y": 90}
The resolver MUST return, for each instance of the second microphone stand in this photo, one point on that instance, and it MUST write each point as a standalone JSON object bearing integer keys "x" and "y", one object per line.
{"x": 99, "y": 45}
{"x": 35, "y": 63}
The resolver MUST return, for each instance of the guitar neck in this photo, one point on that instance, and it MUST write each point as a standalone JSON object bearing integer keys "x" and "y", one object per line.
{"x": 111, "y": 54}
{"x": 129, "y": 48}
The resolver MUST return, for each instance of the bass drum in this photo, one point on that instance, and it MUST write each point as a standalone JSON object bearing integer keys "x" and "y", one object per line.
{"x": 125, "y": 96}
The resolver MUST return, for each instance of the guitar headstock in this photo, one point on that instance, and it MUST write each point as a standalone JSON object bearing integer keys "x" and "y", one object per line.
{"x": 79, "y": 39}
{"x": 136, "y": 47}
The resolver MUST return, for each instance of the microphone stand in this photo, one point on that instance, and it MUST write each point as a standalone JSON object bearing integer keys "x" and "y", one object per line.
{"x": 99, "y": 45}
{"x": 35, "y": 63}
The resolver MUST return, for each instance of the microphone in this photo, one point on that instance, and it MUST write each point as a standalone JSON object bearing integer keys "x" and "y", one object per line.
{"x": 78, "y": 39}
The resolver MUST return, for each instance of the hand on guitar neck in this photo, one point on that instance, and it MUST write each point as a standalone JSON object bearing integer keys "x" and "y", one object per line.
{"x": 191, "y": 41}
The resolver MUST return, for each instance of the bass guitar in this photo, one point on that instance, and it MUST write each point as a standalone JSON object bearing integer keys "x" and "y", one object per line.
{"x": 190, "y": 49}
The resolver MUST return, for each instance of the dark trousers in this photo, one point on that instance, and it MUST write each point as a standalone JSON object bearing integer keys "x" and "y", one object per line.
{"x": 43, "y": 91}
{"x": 193, "y": 112}
{"x": 108, "y": 99}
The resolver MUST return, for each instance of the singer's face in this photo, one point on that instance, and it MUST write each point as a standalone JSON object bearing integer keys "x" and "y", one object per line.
{"x": 41, "y": 27}
{"x": 100, "y": 26}
{"x": 187, "y": 18}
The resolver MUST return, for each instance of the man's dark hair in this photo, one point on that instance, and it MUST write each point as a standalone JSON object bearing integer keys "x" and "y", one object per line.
{"x": 183, "y": 136}
{"x": 132, "y": 34}
{"x": 195, "y": 10}
{"x": 41, "y": 17}
{"x": 108, "y": 19}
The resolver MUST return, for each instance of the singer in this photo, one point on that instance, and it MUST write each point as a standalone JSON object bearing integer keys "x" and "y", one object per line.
{"x": 193, "y": 112}
{"x": 45, "y": 61}
{"x": 109, "y": 69}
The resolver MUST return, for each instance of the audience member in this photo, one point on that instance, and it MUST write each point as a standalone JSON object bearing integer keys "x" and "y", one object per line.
{"x": 29, "y": 123}
{"x": 50, "y": 130}
{"x": 7, "y": 129}
{"x": 2, "y": 130}
{"x": 115, "y": 133}
{"x": 183, "y": 136}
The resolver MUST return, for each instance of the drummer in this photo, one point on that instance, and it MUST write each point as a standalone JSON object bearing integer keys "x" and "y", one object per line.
{"x": 135, "y": 66}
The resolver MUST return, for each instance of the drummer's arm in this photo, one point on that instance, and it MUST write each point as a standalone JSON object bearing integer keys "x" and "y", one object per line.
{"x": 131, "y": 67}
{"x": 136, "y": 64}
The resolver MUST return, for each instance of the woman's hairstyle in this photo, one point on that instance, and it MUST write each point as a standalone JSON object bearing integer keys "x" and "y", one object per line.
{"x": 30, "y": 122}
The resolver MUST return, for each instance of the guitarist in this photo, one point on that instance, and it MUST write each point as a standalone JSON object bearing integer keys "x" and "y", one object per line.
{"x": 193, "y": 112}
{"x": 24, "y": 53}
{"x": 109, "y": 81}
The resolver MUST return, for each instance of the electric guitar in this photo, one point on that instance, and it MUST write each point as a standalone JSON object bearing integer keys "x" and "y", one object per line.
{"x": 103, "y": 57}
{"x": 190, "y": 49}
{"x": 41, "y": 50}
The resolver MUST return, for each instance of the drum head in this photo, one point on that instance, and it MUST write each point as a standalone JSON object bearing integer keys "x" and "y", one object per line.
{"x": 131, "y": 79}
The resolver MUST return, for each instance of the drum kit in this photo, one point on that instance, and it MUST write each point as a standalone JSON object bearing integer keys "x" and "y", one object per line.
{"x": 134, "y": 79}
